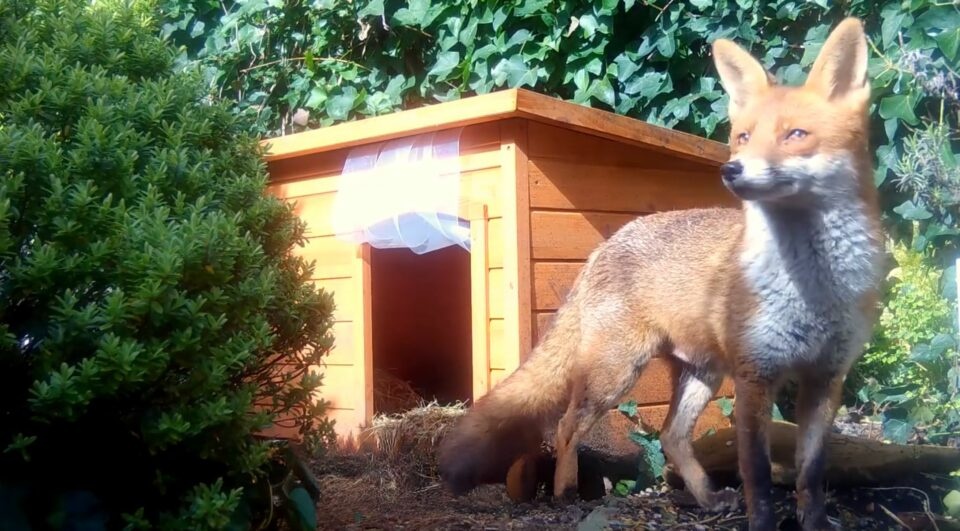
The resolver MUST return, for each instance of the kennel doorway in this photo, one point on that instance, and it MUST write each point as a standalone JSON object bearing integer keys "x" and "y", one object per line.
{"x": 421, "y": 327}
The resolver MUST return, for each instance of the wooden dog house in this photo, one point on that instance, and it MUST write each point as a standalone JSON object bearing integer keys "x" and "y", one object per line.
{"x": 541, "y": 183}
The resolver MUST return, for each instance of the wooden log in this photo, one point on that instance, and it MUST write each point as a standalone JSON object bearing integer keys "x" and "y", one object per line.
{"x": 850, "y": 460}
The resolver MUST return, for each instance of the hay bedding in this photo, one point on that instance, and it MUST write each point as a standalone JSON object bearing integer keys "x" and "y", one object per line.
{"x": 395, "y": 486}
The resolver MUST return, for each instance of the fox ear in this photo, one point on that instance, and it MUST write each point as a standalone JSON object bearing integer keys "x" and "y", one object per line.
{"x": 743, "y": 77}
{"x": 841, "y": 67}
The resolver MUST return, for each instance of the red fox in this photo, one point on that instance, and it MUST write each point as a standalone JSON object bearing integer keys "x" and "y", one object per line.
{"x": 787, "y": 285}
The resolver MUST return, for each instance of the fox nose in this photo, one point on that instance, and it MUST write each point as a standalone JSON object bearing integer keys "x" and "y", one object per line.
{"x": 730, "y": 171}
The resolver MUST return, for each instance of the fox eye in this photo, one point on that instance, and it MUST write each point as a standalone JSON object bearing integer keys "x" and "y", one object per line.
{"x": 743, "y": 137}
{"x": 796, "y": 134}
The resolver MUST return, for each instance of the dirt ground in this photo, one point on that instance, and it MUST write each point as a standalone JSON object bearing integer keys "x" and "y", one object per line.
{"x": 396, "y": 488}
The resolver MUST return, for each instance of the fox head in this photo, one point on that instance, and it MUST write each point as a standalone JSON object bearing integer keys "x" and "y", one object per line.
{"x": 798, "y": 144}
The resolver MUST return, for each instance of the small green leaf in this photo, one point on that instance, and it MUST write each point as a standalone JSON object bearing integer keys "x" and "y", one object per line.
{"x": 628, "y": 408}
{"x": 910, "y": 211}
{"x": 726, "y": 406}
{"x": 338, "y": 107}
{"x": 952, "y": 503}
{"x": 897, "y": 431}
{"x": 373, "y": 9}
{"x": 949, "y": 43}
{"x": 667, "y": 45}
{"x": 308, "y": 60}
{"x": 446, "y": 62}
{"x": 603, "y": 91}
{"x": 899, "y": 106}
{"x": 589, "y": 25}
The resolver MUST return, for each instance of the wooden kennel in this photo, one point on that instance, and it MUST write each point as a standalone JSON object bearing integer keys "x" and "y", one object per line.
{"x": 541, "y": 183}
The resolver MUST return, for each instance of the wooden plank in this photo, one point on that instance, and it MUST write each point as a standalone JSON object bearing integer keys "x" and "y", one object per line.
{"x": 497, "y": 359}
{"x": 496, "y": 239}
{"x": 572, "y": 235}
{"x": 468, "y": 111}
{"x": 496, "y": 286}
{"x": 317, "y": 212}
{"x": 556, "y": 184}
{"x": 479, "y": 302}
{"x": 344, "y": 351}
{"x": 482, "y": 186}
{"x": 542, "y": 321}
{"x": 516, "y": 233}
{"x": 480, "y": 137}
{"x": 309, "y": 166}
{"x": 497, "y": 375}
{"x": 338, "y": 387}
{"x": 302, "y": 187}
{"x": 344, "y": 297}
{"x": 363, "y": 336}
{"x": 553, "y": 142}
{"x": 333, "y": 257}
{"x": 551, "y": 283}
{"x": 620, "y": 128}
{"x": 323, "y": 271}
{"x": 308, "y": 180}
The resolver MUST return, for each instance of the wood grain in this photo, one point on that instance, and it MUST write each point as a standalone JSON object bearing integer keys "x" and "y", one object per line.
{"x": 572, "y": 235}
{"x": 556, "y": 184}
{"x": 551, "y": 283}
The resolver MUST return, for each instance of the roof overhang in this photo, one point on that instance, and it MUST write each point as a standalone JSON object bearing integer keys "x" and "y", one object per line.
{"x": 504, "y": 104}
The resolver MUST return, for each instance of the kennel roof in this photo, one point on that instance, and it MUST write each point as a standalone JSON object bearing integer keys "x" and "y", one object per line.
{"x": 511, "y": 103}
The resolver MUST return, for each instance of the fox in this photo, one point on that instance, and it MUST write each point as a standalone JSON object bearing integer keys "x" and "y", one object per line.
{"x": 783, "y": 286}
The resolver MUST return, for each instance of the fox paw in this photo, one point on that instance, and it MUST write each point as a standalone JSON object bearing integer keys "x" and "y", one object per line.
{"x": 722, "y": 500}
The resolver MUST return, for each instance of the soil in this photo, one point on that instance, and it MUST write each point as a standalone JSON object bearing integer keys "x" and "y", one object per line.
{"x": 396, "y": 488}
{"x": 358, "y": 493}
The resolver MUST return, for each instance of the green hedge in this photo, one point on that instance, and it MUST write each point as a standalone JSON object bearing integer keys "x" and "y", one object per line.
{"x": 148, "y": 300}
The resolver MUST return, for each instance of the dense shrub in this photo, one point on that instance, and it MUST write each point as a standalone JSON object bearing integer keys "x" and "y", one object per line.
{"x": 148, "y": 299}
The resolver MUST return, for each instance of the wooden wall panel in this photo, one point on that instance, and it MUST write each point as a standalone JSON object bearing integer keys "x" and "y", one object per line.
{"x": 549, "y": 141}
{"x": 571, "y": 235}
{"x": 558, "y": 184}
{"x": 551, "y": 283}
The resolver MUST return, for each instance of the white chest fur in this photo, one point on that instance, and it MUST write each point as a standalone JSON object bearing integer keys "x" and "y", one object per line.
{"x": 808, "y": 270}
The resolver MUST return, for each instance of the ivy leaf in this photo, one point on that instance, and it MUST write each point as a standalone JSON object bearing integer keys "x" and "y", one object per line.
{"x": 948, "y": 283}
{"x": 373, "y": 9}
{"x": 515, "y": 72}
{"x": 338, "y": 107}
{"x": 897, "y": 431}
{"x": 446, "y": 62}
{"x": 603, "y": 91}
{"x": 589, "y": 25}
{"x": 625, "y": 67}
{"x": 530, "y": 7}
{"x": 910, "y": 211}
{"x": 726, "y": 406}
{"x": 893, "y": 20}
{"x": 667, "y": 44}
{"x": 949, "y": 43}
{"x": 899, "y": 106}
{"x": 316, "y": 99}
{"x": 519, "y": 37}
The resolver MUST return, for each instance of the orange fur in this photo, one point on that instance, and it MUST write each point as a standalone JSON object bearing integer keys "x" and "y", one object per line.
{"x": 782, "y": 287}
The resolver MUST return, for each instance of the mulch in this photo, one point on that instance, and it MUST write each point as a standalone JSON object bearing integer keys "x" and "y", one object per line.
{"x": 396, "y": 488}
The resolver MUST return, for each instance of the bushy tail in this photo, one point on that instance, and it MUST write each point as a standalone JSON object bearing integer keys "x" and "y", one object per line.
{"x": 509, "y": 420}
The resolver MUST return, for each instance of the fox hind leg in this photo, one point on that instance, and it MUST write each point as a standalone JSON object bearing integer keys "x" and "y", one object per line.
{"x": 695, "y": 387}
{"x": 601, "y": 379}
